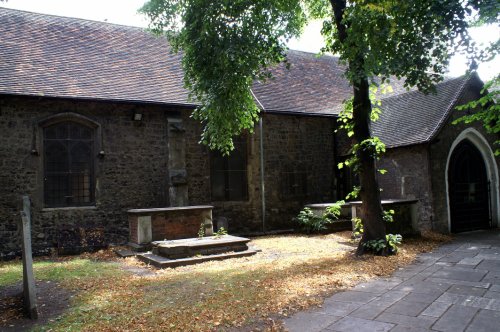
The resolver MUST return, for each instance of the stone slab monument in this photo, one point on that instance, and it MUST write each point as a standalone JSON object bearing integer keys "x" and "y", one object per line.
{"x": 29, "y": 291}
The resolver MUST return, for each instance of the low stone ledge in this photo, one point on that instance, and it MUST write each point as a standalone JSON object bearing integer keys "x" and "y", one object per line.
{"x": 163, "y": 262}
{"x": 169, "y": 209}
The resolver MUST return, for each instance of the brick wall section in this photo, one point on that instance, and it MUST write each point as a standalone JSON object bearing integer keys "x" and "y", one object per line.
{"x": 131, "y": 175}
{"x": 132, "y": 226}
{"x": 176, "y": 225}
{"x": 439, "y": 151}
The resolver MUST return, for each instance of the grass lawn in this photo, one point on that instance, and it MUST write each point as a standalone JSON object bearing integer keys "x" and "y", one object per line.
{"x": 291, "y": 273}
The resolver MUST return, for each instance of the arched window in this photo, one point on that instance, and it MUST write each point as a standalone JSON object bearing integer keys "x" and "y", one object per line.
{"x": 68, "y": 150}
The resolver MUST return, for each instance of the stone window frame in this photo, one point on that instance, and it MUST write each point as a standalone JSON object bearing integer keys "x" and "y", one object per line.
{"x": 38, "y": 150}
{"x": 245, "y": 139}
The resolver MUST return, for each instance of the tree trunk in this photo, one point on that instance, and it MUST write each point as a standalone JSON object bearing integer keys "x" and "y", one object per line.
{"x": 371, "y": 209}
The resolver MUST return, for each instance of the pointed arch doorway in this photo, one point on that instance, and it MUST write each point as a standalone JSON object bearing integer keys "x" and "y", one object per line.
{"x": 468, "y": 189}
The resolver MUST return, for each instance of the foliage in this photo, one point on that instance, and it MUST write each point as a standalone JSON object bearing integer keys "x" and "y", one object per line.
{"x": 220, "y": 232}
{"x": 312, "y": 223}
{"x": 332, "y": 212}
{"x": 486, "y": 109}
{"x": 201, "y": 231}
{"x": 388, "y": 215}
{"x": 227, "y": 45}
{"x": 377, "y": 246}
{"x": 358, "y": 228}
{"x": 394, "y": 240}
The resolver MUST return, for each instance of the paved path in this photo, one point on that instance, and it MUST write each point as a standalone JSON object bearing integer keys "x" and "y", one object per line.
{"x": 455, "y": 288}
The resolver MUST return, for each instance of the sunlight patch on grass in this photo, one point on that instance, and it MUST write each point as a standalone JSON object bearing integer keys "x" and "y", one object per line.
{"x": 12, "y": 272}
{"x": 291, "y": 273}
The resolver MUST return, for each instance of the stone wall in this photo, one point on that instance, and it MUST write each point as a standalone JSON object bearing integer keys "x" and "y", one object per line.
{"x": 145, "y": 166}
{"x": 300, "y": 148}
{"x": 303, "y": 145}
{"x": 440, "y": 151}
{"x": 407, "y": 177}
{"x": 132, "y": 173}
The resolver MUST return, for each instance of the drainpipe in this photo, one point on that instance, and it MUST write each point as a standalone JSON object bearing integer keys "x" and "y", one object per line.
{"x": 262, "y": 181}
{"x": 262, "y": 174}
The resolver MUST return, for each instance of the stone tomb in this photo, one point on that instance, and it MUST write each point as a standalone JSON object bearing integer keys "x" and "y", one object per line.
{"x": 172, "y": 253}
{"x": 171, "y": 223}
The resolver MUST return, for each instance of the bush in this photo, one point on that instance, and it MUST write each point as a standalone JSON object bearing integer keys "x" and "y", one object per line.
{"x": 391, "y": 240}
{"x": 311, "y": 223}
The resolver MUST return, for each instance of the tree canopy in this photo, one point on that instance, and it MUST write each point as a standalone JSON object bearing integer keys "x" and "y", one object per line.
{"x": 228, "y": 44}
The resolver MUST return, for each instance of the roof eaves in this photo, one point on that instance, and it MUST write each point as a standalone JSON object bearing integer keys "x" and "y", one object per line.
{"x": 316, "y": 114}
{"x": 107, "y": 100}
{"x": 447, "y": 114}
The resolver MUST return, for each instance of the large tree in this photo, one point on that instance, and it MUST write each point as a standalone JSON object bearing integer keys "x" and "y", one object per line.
{"x": 228, "y": 44}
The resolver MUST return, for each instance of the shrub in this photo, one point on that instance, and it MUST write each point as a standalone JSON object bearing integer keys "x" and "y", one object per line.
{"x": 311, "y": 223}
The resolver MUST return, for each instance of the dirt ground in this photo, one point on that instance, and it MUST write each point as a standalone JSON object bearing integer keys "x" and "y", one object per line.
{"x": 52, "y": 301}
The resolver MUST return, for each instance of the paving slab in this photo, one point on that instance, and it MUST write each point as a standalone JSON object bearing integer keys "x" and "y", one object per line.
{"x": 492, "y": 295}
{"x": 481, "y": 284}
{"x": 313, "y": 321}
{"x": 400, "y": 328}
{"x": 371, "y": 309}
{"x": 339, "y": 308}
{"x": 349, "y": 324}
{"x": 455, "y": 273}
{"x": 485, "y": 321}
{"x": 455, "y": 319}
{"x": 403, "y": 320}
{"x": 471, "y": 261}
{"x": 354, "y": 296}
{"x": 421, "y": 297}
{"x": 455, "y": 288}
{"x": 492, "y": 277}
{"x": 425, "y": 287}
{"x": 490, "y": 265}
{"x": 467, "y": 290}
{"x": 407, "y": 308}
{"x": 436, "y": 309}
{"x": 495, "y": 288}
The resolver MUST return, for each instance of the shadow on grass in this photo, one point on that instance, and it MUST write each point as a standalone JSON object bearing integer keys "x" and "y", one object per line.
{"x": 214, "y": 298}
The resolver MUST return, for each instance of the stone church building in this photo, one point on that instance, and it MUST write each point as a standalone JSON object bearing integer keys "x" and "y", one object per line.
{"x": 94, "y": 121}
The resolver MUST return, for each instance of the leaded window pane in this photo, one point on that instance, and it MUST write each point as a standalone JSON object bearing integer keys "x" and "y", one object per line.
{"x": 229, "y": 174}
{"x": 69, "y": 173}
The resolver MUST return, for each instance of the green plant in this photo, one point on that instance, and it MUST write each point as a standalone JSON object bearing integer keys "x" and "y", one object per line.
{"x": 378, "y": 246}
{"x": 310, "y": 222}
{"x": 201, "y": 231}
{"x": 394, "y": 240}
{"x": 388, "y": 216}
{"x": 358, "y": 228}
{"x": 220, "y": 232}
{"x": 333, "y": 211}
